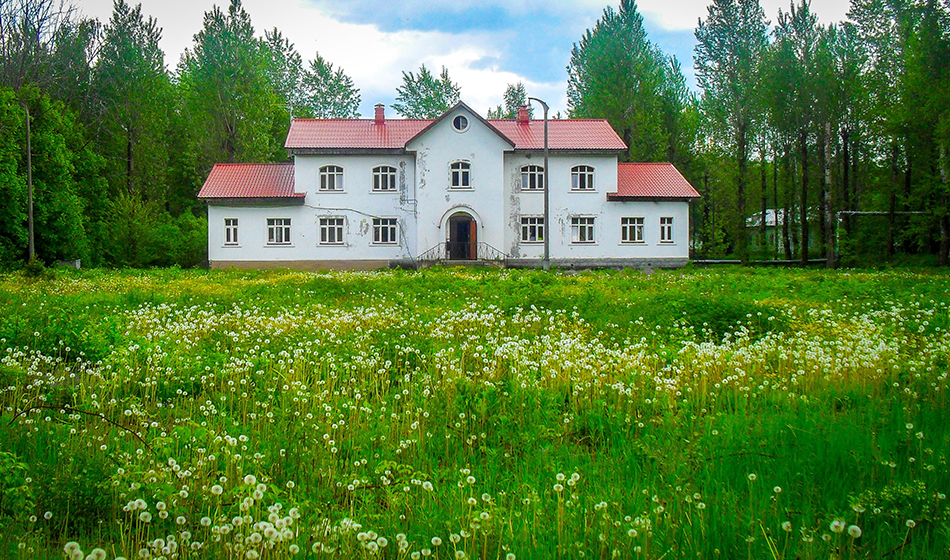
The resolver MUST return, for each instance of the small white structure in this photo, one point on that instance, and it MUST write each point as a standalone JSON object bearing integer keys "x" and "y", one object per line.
{"x": 371, "y": 193}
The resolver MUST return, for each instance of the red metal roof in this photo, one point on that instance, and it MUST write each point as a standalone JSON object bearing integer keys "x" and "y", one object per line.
{"x": 250, "y": 180}
{"x": 352, "y": 133}
{"x": 567, "y": 134}
{"x": 574, "y": 134}
{"x": 651, "y": 180}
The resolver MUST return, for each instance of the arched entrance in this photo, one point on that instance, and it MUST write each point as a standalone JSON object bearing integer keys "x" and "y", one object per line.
{"x": 462, "y": 242}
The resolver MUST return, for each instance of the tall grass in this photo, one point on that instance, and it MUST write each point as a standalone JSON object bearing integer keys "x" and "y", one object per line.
{"x": 475, "y": 414}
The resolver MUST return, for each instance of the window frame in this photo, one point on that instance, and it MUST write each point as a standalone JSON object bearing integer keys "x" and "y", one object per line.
{"x": 455, "y": 123}
{"x": 383, "y": 174}
{"x": 328, "y": 172}
{"x": 231, "y": 225}
{"x": 337, "y": 227}
{"x": 583, "y": 230}
{"x": 666, "y": 230}
{"x": 539, "y": 228}
{"x": 533, "y": 172}
{"x": 582, "y": 178}
{"x": 279, "y": 231}
{"x": 464, "y": 171}
{"x": 634, "y": 226}
{"x": 392, "y": 225}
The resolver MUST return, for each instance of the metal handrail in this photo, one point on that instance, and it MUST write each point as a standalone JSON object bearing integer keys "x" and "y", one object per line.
{"x": 462, "y": 251}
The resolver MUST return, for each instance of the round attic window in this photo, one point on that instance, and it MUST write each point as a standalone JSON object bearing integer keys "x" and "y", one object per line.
{"x": 460, "y": 123}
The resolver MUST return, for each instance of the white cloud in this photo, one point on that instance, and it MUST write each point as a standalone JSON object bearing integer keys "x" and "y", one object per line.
{"x": 684, "y": 14}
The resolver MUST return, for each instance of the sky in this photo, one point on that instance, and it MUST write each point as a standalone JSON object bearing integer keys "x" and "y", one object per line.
{"x": 484, "y": 44}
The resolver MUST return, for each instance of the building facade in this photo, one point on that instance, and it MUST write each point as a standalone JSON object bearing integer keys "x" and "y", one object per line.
{"x": 372, "y": 193}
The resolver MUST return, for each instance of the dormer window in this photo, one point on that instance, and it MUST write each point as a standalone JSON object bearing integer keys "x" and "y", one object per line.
{"x": 582, "y": 178}
{"x": 461, "y": 175}
{"x": 331, "y": 178}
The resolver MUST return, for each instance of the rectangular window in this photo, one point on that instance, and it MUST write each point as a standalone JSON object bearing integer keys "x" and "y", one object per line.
{"x": 532, "y": 178}
{"x": 278, "y": 231}
{"x": 230, "y": 231}
{"x": 631, "y": 230}
{"x": 582, "y": 178}
{"x": 461, "y": 172}
{"x": 532, "y": 230}
{"x": 331, "y": 178}
{"x": 666, "y": 230}
{"x": 331, "y": 231}
{"x": 582, "y": 230}
{"x": 384, "y": 178}
{"x": 384, "y": 231}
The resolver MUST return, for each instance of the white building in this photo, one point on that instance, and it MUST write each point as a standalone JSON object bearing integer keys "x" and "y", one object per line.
{"x": 371, "y": 193}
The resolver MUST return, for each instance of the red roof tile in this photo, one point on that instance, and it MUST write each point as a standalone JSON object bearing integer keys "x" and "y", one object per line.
{"x": 574, "y": 134}
{"x": 352, "y": 133}
{"x": 250, "y": 180}
{"x": 567, "y": 134}
{"x": 651, "y": 180}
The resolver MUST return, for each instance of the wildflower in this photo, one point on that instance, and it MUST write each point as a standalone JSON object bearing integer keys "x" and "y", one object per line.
{"x": 459, "y": 554}
{"x": 145, "y": 516}
{"x": 560, "y": 477}
{"x": 910, "y": 523}
{"x": 436, "y": 541}
{"x": 205, "y": 521}
{"x": 777, "y": 489}
{"x": 632, "y": 533}
{"x": 486, "y": 498}
{"x": 454, "y": 538}
{"x": 858, "y": 508}
{"x": 787, "y": 526}
{"x": 558, "y": 488}
{"x": 854, "y": 531}
{"x": 510, "y": 556}
{"x": 837, "y": 526}
{"x": 472, "y": 502}
{"x": 71, "y": 547}
{"x": 470, "y": 479}
{"x": 180, "y": 520}
{"x": 250, "y": 480}
{"x": 427, "y": 486}
{"x": 48, "y": 515}
{"x": 160, "y": 506}
{"x": 217, "y": 490}
{"x": 484, "y": 516}
{"x": 294, "y": 549}
{"x": 752, "y": 477}
{"x": 701, "y": 505}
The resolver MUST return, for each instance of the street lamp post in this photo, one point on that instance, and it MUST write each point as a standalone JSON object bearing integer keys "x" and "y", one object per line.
{"x": 546, "y": 261}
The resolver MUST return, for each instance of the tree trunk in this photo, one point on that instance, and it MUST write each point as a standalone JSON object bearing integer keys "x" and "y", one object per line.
{"x": 823, "y": 193}
{"x": 892, "y": 204}
{"x": 128, "y": 162}
{"x": 804, "y": 199}
{"x": 742, "y": 243}
{"x": 763, "y": 225}
{"x": 29, "y": 183}
{"x": 787, "y": 217}
{"x": 846, "y": 183}
{"x": 775, "y": 196}
{"x": 829, "y": 209}
{"x": 707, "y": 201}
{"x": 942, "y": 254}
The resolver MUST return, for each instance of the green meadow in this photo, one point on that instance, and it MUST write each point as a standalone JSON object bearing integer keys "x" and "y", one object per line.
{"x": 464, "y": 413}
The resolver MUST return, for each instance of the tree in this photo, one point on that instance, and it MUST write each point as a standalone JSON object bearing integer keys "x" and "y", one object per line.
{"x": 329, "y": 93}
{"x": 227, "y": 99}
{"x": 515, "y": 96}
{"x": 731, "y": 44}
{"x": 424, "y": 96}
{"x": 133, "y": 95}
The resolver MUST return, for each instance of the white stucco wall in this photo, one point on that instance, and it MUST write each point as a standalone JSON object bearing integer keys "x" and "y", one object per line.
{"x": 565, "y": 203}
{"x": 435, "y": 150}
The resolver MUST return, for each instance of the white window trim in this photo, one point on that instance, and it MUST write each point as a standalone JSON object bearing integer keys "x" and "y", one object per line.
{"x": 592, "y": 174}
{"x": 341, "y": 227}
{"x": 237, "y": 227}
{"x": 395, "y": 178}
{"x": 468, "y": 123}
{"x": 521, "y": 226}
{"x": 395, "y": 229}
{"x": 339, "y": 178}
{"x": 540, "y": 177}
{"x": 592, "y": 226}
{"x": 469, "y": 171}
{"x": 643, "y": 237}
{"x": 672, "y": 239}
{"x": 288, "y": 228}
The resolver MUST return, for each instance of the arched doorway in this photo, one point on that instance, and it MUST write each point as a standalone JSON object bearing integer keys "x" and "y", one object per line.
{"x": 462, "y": 243}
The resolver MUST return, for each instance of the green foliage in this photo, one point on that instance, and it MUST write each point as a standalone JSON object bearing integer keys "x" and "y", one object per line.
{"x": 329, "y": 93}
{"x": 515, "y": 96}
{"x": 424, "y": 96}
{"x": 616, "y": 73}
{"x": 518, "y": 411}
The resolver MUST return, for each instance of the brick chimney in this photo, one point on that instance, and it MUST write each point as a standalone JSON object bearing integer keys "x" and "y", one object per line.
{"x": 523, "y": 117}
{"x": 380, "y": 113}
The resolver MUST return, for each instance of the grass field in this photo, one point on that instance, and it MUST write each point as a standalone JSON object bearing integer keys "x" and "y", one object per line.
{"x": 475, "y": 414}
